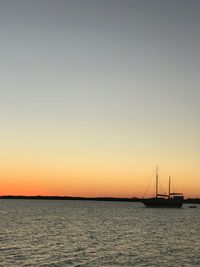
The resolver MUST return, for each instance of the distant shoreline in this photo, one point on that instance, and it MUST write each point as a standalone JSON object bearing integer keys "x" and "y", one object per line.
{"x": 113, "y": 199}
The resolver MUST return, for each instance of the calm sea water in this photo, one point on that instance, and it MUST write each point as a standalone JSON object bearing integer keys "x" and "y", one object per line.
{"x": 83, "y": 233}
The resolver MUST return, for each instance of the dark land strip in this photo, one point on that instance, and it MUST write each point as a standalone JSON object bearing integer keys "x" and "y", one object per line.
{"x": 113, "y": 199}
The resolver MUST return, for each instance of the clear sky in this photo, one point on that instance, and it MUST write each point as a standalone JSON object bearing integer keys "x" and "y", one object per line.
{"x": 95, "y": 93}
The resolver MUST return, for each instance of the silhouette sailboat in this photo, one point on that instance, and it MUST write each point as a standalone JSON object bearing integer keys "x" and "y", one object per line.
{"x": 170, "y": 200}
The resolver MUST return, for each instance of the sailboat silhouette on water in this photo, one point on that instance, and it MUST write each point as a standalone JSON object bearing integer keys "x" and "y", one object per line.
{"x": 170, "y": 200}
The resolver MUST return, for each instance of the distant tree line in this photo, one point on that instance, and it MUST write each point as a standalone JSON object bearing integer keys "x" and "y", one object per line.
{"x": 134, "y": 199}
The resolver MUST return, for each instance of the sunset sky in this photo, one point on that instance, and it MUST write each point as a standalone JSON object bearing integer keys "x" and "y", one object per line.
{"x": 95, "y": 93}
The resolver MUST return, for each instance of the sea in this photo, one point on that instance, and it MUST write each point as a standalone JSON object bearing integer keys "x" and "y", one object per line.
{"x": 76, "y": 233}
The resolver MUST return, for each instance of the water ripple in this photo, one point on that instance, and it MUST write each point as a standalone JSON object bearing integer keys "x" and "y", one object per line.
{"x": 96, "y": 234}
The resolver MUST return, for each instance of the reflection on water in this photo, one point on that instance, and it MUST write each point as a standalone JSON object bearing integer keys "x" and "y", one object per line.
{"x": 83, "y": 233}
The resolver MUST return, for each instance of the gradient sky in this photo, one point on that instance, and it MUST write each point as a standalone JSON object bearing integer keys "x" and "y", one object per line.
{"x": 95, "y": 93}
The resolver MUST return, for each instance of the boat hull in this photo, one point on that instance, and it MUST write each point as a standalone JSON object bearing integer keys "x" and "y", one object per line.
{"x": 163, "y": 203}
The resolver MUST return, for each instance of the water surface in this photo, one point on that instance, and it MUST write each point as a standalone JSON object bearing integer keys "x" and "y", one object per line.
{"x": 91, "y": 233}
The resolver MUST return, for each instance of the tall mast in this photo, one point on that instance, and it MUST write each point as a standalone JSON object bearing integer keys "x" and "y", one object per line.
{"x": 169, "y": 185}
{"x": 156, "y": 181}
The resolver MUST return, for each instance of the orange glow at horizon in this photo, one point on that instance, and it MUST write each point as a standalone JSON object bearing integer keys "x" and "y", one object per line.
{"x": 88, "y": 183}
{"x": 116, "y": 167}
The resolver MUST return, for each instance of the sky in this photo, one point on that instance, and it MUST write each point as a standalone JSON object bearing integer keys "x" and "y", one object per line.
{"x": 95, "y": 93}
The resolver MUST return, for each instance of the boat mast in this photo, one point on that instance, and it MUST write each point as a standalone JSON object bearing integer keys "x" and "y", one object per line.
{"x": 156, "y": 181}
{"x": 169, "y": 185}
